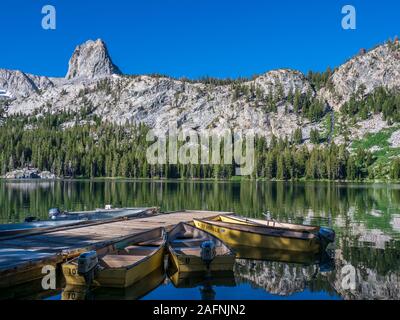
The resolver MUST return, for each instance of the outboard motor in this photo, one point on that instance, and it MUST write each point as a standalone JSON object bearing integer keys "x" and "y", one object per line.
{"x": 207, "y": 252}
{"x": 54, "y": 213}
{"x": 88, "y": 265}
{"x": 326, "y": 236}
{"x": 327, "y": 233}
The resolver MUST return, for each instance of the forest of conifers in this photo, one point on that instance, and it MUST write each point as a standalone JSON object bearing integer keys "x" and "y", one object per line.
{"x": 97, "y": 149}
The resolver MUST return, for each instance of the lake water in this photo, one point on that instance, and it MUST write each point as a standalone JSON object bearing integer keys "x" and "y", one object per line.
{"x": 366, "y": 218}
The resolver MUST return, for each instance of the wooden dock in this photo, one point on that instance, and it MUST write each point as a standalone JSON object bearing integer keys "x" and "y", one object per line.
{"x": 22, "y": 258}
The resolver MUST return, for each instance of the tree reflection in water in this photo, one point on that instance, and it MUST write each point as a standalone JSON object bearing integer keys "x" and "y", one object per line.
{"x": 364, "y": 216}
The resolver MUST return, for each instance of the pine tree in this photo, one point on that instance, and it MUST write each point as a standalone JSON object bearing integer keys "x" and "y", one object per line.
{"x": 395, "y": 172}
{"x": 314, "y": 136}
{"x": 298, "y": 136}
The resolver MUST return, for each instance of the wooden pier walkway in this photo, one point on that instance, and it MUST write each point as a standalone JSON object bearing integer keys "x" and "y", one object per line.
{"x": 22, "y": 258}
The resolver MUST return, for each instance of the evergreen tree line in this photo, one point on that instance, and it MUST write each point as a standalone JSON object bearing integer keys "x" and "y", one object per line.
{"x": 303, "y": 104}
{"x": 381, "y": 100}
{"x": 321, "y": 79}
{"x": 108, "y": 150}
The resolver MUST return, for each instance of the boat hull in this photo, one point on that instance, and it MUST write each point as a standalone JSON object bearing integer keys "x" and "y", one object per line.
{"x": 268, "y": 223}
{"x": 134, "y": 292}
{"x": 118, "y": 277}
{"x": 69, "y": 220}
{"x": 184, "y": 263}
{"x": 234, "y": 236}
{"x": 185, "y": 254}
{"x": 122, "y": 276}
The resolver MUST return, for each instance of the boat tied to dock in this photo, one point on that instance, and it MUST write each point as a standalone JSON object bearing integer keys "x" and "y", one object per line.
{"x": 193, "y": 250}
{"x": 59, "y": 219}
{"x": 234, "y": 230}
{"x": 118, "y": 265}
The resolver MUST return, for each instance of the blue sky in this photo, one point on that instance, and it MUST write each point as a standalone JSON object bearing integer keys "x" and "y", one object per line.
{"x": 194, "y": 38}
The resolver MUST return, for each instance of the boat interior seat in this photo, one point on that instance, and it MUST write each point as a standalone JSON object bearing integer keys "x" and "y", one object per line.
{"x": 190, "y": 240}
{"x": 197, "y": 251}
{"x": 184, "y": 235}
{"x": 177, "y": 243}
{"x": 266, "y": 230}
{"x": 188, "y": 251}
{"x": 138, "y": 250}
{"x": 120, "y": 261}
{"x": 152, "y": 243}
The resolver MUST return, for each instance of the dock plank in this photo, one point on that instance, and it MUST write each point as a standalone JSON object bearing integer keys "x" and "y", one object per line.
{"x": 22, "y": 254}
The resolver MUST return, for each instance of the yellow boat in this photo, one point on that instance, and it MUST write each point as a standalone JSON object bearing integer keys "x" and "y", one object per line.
{"x": 193, "y": 250}
{"x": 268, "y": 223}
{"x": 119, "y": 265}
{"x": 136, "y": 291}
{"x": 234, "y": 230}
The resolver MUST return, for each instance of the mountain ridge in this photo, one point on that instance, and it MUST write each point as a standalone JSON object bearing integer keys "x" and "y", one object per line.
{"x": 266, "y": 103}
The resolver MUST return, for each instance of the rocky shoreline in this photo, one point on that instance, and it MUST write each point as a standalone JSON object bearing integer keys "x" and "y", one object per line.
{"x": 29, "y": 173}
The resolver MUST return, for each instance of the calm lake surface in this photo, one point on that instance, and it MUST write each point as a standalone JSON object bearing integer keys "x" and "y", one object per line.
{"x": 366, "y": 218}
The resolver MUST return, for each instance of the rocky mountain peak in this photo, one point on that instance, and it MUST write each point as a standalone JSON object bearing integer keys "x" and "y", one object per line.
{"x": 15, "y": 83}
{"x": 265, "y": 104}
{"x": 90, "y": 60}
{"x": 289, "y": 80}
{"x": 379, "y": 67}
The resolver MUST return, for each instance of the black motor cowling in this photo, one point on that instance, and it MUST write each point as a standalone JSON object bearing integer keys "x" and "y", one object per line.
{"x": 88, "y": 265}
{"x": 327, "y": 233}
{"x": 208, "y": 252}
